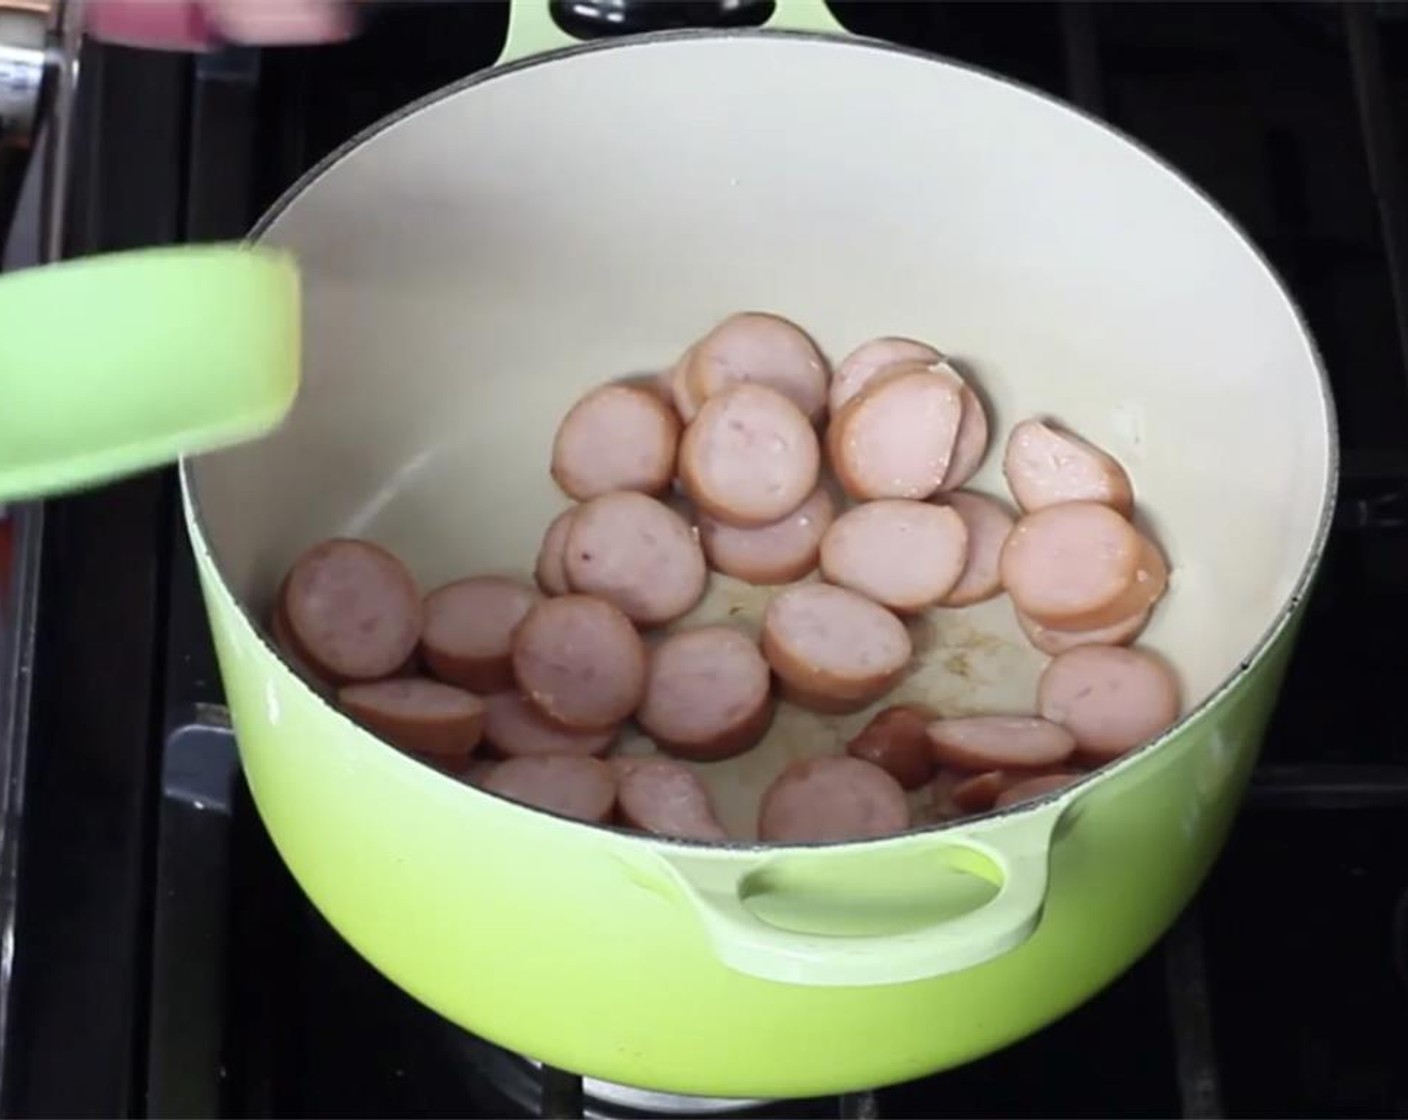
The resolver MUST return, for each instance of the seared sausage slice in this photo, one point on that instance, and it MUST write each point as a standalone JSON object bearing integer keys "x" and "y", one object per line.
{"x": 421, "y": 716}
{"x": 352, "y": 610}
{"x": 999, "y": 743}
{"x": 515, "y": 728}
{"x": 617, "y": 437}
{"x": 862, "y": 364}
{"x": 550, "y": 571}
{"x": 1080, "y": 566}
{"x": 708, "y": 694}
{"x": 897, "y": 741}
{"x": 1110, "y": 698}
{"x": 903, "y": 554}
{"x": 750, "y": 457}
{"x": 978, "y": 793}
{"x": 759, "y": 349}
{"x": 580, "y": 661}
{"x": 1034, "y": 787}
{"x": 781, "y": 552}
{"x": 1052, "y": 642}
{"x": 970, "y": 445}
{"x": 832, "y": 798}
{"x": 569, "y": 785}
{"x": 637, "y": 553}
{"x": 988, "y": 525}
{"x": 467, "y": 639}
{"x": 834, "y": 649}
{"x": 1046, "y": 465}
{"x": 660, "y": 796}
{"x": 895, "y": 438}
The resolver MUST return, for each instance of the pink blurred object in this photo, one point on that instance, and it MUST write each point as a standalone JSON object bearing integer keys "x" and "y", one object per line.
{"x": 193, "y": 25}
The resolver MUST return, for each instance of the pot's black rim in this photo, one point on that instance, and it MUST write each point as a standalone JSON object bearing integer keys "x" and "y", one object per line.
{"x": 1259, "y": 650}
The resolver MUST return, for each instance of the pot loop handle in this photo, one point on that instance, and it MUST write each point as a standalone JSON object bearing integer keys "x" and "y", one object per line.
{"x": 532, "y": 30}
{"x": 1015, "y": 850}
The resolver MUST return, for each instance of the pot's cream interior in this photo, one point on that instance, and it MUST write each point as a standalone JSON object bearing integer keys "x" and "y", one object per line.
{"x": 474, "y": 267}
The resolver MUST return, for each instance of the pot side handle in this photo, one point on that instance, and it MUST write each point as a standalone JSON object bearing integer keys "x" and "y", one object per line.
{"x": 532, "y": 30}
{"x": 1012, "y": 855}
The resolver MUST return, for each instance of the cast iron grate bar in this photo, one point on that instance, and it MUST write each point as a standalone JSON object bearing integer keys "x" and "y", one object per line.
{"x": 562, "y": 1094}
{"x": 859, "y": 1106}
{"x": 1321, "y": 786}
{"x": 1190, "y": 1009}
{"x": 1082, "y": 56}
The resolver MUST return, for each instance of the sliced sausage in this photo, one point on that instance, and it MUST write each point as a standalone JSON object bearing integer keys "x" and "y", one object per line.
{"x": 569, "y": 785}
{"x": 1110, "y": 698}
{"x": 834, "y": 649}
{"x": 708, "y": 694}
{"x": 970, "y": 445}
{"x": 895, "y": 438}
{"x": 515, "y": 728}
{"x": 1046, "y": 465}
{"x": 782, "y": 552}
{"x": 1039, "y": 786}
{"x": 978, "y": 793}
{"x": 467, "y": 639}
{"x": 550, "y": 571}
{"x": 759, "y": 349}
{"x": 637, "y": 553}
{"x": 897, "y": 741}
{"x": 580, "y": 661}
{"x": 1052, "y": 642}
{"x": 617, "y": 437}
{"x": 860, "y": 366}
{"x": 476, "y": 770}
{"x": 421, "y": 716}
{"x": 660, "y": 796}
{"x": 750, "y": 457}
{"x": 984, "y": 743}
{"x": 832, "y": 798}
{"x": 686, "y": 403}
{"x": 353, "y": 610}
{"x": 988, "y": 525}
{"x": 1080, "y": 566}
{"x": 903, "y": 554}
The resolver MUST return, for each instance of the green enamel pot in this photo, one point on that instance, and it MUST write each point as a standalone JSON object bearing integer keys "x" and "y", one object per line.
{"x": 579, "y": 212}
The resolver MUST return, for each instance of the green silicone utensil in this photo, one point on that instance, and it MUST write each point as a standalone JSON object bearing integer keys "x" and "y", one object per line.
{"x": 116, "y": 363}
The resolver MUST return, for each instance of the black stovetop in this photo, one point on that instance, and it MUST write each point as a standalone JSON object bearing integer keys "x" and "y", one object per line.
{"x": 166, "y": 963}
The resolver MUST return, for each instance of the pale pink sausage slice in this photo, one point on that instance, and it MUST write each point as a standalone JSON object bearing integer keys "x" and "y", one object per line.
{"x": 637, "y": 553}
{"x": 1080, "y": 566}
{"x": 970, "y": 445}
{"x": 832, "y": 798}
{"x": 903, "y": 554}
{"x": 571, "y": 786}
{"x": 421, "y": 716}
{"x": 1052, "y": 642}
{"x": 999, "y": 742}
{"x": 467, "y": 639}
{"x": 895, "y": 438}
{"x": 834, "y": 649}
{"x": 988, "y": 525}
{"x": 686, "y": 403}
{"x": 782, "y": 552}
{"x": 1034, "y": 787}
{"x": 1110, "y": 698}
{"x": 897, "y": 741}
{"x": 708, "y": 694}
{"x": 580, "y": 661}
{"x": 663, "y": 797}
{"x": 750, "y": 457}
{"x": 549, "y": 571}
{"x": 1046, "y": 465}
{"x": 759, "y": 349}
{"x": 862, "y": 364}
{"x": 515, "y": 728}
{"x": 617, "y": 437}
{"x": 352, "y": 610}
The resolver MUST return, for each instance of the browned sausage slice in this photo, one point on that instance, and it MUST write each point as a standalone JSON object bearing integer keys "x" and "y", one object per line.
{"x": 903, "y": 554}
{"x": 569, "y": 785}
{"x": 617, "y": 437}
{"x": 781, "y": 552}
{"x": 862, "y": 364}
{"x": 1039, "y": 786}
{"x": 468, "y": 635}
{"x": 708, "y": 694}
{"x": 1110, "y": 698}
{"x": 515, "y": 728}
{"x": 970, "y": 445}
{"x": 988, "y": 525}
{"x": 832, "y": 798}
{"x": 637, "y": 553}
{"x": 580, "y": 661}
{"x": 550, "y": 571}
{"x": 984, "y": 743}
{"x": 979, "y": 792}
{"x": 895, "y": 438}
{"x": 1080, "y": 566}
{"x": 660, "y": 796}
{"x": 1052, "y": 642}
{"x": 759, "y": 349}
{"x": 897, "y": 741}
{"x": 421, "y": 716}
{"x": 835, "y": 649}
{"x": 353, "y": 610}
{"x": 1046, "y": 465}
{"x": 750, "y": 457}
